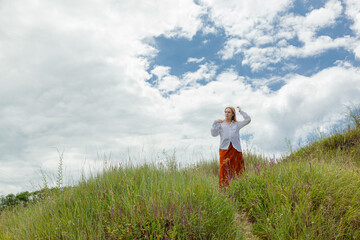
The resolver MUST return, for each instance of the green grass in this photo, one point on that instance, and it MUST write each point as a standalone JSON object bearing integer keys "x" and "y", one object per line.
{"x": 127, "y": 203}
{"x": 298, "y": 200}
{"x": 314, "y": 193}
{"x": 340, "y": 147}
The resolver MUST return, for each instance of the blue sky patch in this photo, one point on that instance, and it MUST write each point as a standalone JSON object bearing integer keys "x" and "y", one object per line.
{"x": 175, "y": 52}
{"x": 340, "y": 29}
{"x": 303, "y": 7}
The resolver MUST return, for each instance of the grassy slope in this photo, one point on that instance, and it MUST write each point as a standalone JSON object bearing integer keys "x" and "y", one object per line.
{"x": 129, "y": 203}
{"x": 312, "y": 194}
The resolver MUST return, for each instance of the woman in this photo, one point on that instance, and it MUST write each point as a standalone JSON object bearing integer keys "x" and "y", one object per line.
{"x": 231, "y": 158}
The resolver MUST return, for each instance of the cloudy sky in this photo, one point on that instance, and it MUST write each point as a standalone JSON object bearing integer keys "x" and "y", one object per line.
{"x": 111, "y": 79}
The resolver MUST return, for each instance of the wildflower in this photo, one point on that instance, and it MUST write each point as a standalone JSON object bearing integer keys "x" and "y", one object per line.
{"x": 112, "y": 215}
{"x": 200, "y": 209}
{"x": 120, "y": 212}
{"x": 141, "y": 209}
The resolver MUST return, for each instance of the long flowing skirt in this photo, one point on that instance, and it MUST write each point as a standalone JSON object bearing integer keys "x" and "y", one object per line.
{"x": 231, "y": 165}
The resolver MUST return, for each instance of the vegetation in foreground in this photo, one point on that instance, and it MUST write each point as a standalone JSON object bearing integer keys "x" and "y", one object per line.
{"x": 311, "y": 194}
{"x": 144, "y": 202}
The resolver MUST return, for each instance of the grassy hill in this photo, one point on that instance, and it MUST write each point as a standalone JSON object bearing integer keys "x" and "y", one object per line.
{"x": 314, "y": 193}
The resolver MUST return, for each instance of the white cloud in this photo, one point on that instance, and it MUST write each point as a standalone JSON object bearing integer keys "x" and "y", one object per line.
{"x": 357, "y": 51}
{"x": 195, "y": 60}
{"x": 209, "y": 29}
{"x": 238, "y": 18}
{"x": 169, "y": 83}
{"x": 299, "y": 108}
{"x": 323, "y": 17}
{"x": 161, "y": 71}
{"x": 259, "y": 58}
{"x": 165, "y": 81}
{"x": 205, "y": 72}
{"x": 232, "y": 47}
{"x": 73, "y": 77}
{"x": 306, "y": 27}
{"x": 353, "y": 12}
{"x": 250, "y": 27}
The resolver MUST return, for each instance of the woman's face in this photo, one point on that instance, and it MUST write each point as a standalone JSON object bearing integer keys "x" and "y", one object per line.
{"x": 228, "y": 114}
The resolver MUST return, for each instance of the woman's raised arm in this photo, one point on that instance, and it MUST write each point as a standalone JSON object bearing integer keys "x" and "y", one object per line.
{"x": 246, "y": 120}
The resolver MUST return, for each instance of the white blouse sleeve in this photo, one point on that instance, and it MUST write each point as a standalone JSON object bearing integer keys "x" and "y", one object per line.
{"x": 215, "y": 130}
{"x": 246, "y": 120}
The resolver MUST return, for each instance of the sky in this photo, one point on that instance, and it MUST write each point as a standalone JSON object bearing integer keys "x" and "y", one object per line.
{"x": 102, "y": 81}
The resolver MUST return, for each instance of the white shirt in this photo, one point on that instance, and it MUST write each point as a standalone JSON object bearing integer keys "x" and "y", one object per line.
{"x": 230, "y": 132}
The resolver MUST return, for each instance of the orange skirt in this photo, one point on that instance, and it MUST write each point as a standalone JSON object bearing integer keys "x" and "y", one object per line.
{"x": 231, "y": 165}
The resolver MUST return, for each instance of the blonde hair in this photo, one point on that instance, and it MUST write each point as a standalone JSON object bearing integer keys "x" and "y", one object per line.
{"x": 234, "y": 113}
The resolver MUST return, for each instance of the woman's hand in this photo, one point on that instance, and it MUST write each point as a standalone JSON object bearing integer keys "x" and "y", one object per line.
{"x": 219, "y": 121}
{"x": 238, "y": 108}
